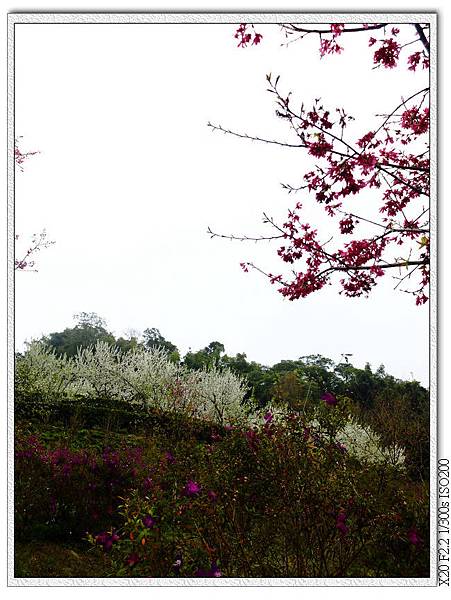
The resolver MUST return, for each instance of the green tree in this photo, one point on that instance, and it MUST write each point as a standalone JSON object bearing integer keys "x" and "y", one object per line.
{"x": 318, "y": 372}
{"x": 259, "y": 377}
{"x": 209, "y": 356}
{"x": 152, "y": 338}
{"x": 400, "y": 414}
{"x": 127, "y": 344}
{"x": 290, "y": 389}
{"x": 89, "y": 330}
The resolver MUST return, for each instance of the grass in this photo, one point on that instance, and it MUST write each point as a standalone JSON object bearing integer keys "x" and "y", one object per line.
{"x": 52, "y": 559}
{"x": 81, "y": 438}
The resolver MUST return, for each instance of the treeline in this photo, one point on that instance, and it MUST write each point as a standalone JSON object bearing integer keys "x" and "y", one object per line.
{"x": 398, "y": 410}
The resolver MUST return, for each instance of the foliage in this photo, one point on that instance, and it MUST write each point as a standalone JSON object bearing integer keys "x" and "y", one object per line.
{"x": 401, "y": 417}
{"x": 90, "y": 328}
{"x": 152, "y": 338}
{"x": 55, "y": 559}
{"x": 101, "y": 383}
{"x": 210, "y": 356}
{"x": 110, "y": 378}
{"x": 289, "y": 388}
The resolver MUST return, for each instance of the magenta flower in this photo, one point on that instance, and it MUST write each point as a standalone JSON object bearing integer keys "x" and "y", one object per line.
{"x": 170, "y": 459}
{"x": 132, "y": 559}
{"x": 101, "y": 537}
{"x": 341, "y": 447}
{"x": 252, "y": 439}
{"x": 106, "y": 540}
{"x": 191, "y": 488}
{"x": 268, "y": 417}
{"x": 149, "y": 521}
{"x": 329, "y": 399}
{"x": 342, "y": 527}
{"x": 413, "y": 537}
{"x": 109, "y": 542}
{"x": 212, "y": 572}
{"x": 341, "y": 523}
{"x": 213, "y": 496}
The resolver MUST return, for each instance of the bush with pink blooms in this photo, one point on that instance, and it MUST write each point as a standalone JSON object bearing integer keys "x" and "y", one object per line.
{"x": 61, "y": 492}
{"x": 281, "y": 498}
{"x": 278, "y": 500}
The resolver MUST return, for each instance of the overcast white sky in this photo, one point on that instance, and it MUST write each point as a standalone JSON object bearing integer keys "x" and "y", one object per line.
{"x": 129, "y": 178}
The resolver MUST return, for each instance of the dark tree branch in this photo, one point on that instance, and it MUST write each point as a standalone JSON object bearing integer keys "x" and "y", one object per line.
{"x": 422, "y": 37}
{"x": 243, "y": 238}
{"x": 298, "y": 29}
{"x": 407, "y": 263}
{"x": 253, "y": 138}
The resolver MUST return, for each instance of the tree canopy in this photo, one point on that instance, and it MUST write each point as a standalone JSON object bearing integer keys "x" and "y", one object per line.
{"x": 90, "y": 328}
{"x": 152, "y": 338}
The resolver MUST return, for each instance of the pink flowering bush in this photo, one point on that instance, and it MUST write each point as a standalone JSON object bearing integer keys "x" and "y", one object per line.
{"x": 278, "y": 500}
{"x": 62, "y": 492}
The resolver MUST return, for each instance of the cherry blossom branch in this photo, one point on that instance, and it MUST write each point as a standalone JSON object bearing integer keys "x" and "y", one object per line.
{"x": 322, "y": 274}
{"x": 385, "y": 158}
{"x": 244, "y": 238}
{"x": 403, "y": 103}
{"x": 298, "y": 29}
{"x": 403, "y": 229}
{"x": 407, "y": 263}
{"x": 253, "y": 138}
{"x": 409, "y": 274}
{"x": 355, "y": 153}
{"x": 38, "y": 242}
{"x": 19, "y": 156}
